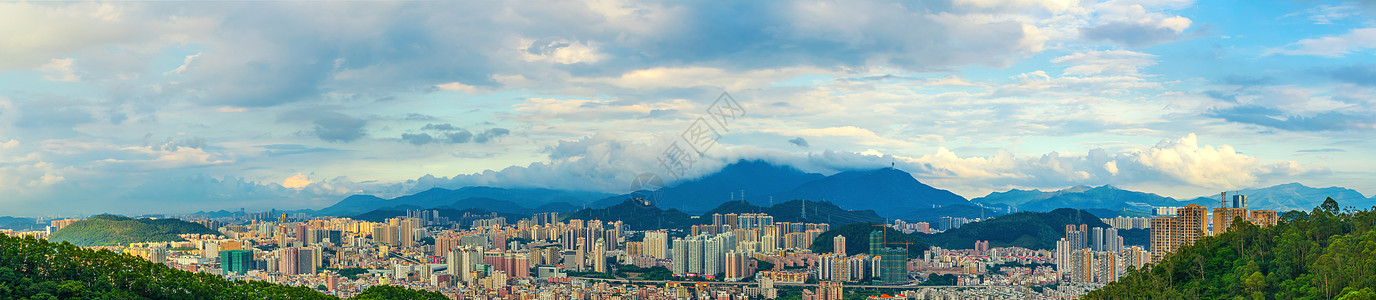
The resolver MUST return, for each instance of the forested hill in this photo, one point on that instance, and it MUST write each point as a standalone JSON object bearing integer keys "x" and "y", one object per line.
{"x": 111, "y": 230}
{"x": 1323, "y": 254}
{"x": 1033, "y": 230}
{"x": 35, "y": 269}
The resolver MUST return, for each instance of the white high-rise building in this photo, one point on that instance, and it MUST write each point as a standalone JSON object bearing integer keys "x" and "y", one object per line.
{"x": 657, "y": 244}
{"x": 680, "y": 256}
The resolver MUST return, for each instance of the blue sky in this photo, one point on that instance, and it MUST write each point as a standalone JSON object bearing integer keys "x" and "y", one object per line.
{"x": 151, "y": 106}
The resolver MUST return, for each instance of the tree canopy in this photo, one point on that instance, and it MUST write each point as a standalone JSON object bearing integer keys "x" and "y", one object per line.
{"x": 1323, "y": 254}
{"x": 31, "y": 268}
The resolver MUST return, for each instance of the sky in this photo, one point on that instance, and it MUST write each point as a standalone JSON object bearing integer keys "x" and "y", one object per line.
{"x": 172, "y": 106}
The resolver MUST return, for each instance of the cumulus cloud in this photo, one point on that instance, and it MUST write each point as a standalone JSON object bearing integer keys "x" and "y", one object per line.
{"x": 1139, "y": 34}
{"x": 1110, "y": 62}
{"x": 60, "y": 70}
{"x": 299, "y": 181}
{"x": 1356, "y": 40}
{"x": 798, "y": 141}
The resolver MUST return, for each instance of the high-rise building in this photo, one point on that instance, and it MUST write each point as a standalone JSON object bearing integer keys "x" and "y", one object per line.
{"x": 1169, "y": 233}
{"x": 1096, "y": 239}
{"x": 1264, "y": 218}
{"x": 695, "y": 253}
{"x": 236, "y": 261}
{"x": 1224, "y": 217}
{"x": 839, "y": 244}
{"x": 680, "y": 256}
{"x": 893, "y": 267}
{"x": 462, "y": 262}
{"x": 599, "y": 257}
{"x": 656, "y": 244}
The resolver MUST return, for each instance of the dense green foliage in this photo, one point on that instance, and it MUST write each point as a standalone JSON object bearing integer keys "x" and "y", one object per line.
{"x": 858, "y": 239}
{"x": 111, "y": 230}
{"x": 939, "y": 280}
{"x": 36, "y": 269}
{"x": 387, "y": 292}
{"x": 1032, "y": 230}
{"x": 351, "y": 273}
{"x": 1324, "y": 254}
{"x": 651, "y": 273}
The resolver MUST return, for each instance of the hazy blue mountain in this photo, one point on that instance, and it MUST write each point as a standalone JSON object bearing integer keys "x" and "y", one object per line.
{"x": 19, "y": 223}
{"x": 758, "y": 179}
{"x": 1105, "y": 197}
{"x": 1294, "y": 196}
{"x": 887, "y": 191}
{"x": 467, "y": 197}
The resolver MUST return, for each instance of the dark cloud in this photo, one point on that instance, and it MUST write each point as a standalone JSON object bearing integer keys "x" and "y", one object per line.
{"x": 458, "y": 137}
{"x": 417, "y": 139}
{"x": 1357, "y": 74}
{"x": 1274, "y": 118}
{"x": 290, "y": 149}
{"x": 440, "y": 127}
{"x": 448, "y": 134}
{"x": 798, "y": 141}
{"x": 337, "y": 127}
{"x": 1130, "y": 34}
{"x": 418, "y": 117}
{"x": 490, "y": 134}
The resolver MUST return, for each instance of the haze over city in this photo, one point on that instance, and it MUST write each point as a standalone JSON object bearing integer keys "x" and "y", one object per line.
{"x": 166, "y": 107}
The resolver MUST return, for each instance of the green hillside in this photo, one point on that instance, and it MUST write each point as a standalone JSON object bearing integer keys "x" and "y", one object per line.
{"x": 1323, "y": 254}
{"x": 635, "y": 214}
{"x": 1033, "y": 230}
{"x": 35, "y": 269}
{"x": 858, "y": 239}
{"x": 111, "y": 230}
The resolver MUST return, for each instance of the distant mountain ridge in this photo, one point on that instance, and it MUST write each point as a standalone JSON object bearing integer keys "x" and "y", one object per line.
{"x": 889, "y": 192}
{"x": 1295, "y": 196}
{"x": 1283, "y": 197}
{"x": 513, "y": 200}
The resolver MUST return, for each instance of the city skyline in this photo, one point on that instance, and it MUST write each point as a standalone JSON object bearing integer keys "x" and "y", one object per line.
{"x": 180, "y": 106}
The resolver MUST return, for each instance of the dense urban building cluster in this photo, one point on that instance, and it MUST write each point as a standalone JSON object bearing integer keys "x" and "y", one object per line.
{"x": 487, "y": 256}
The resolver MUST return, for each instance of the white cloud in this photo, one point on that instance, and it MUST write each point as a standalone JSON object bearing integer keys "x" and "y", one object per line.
{"x": 858, "y": 135}
{"x": 1357, "y": 40}
{"x": 457, "y": 87}
{"x": 560, "y": 51}
{"x": 60, "y": 70}
{"x": 1109, "y": 62}
{"x": 299, "y": 181}
{"x": 186, "y": 62}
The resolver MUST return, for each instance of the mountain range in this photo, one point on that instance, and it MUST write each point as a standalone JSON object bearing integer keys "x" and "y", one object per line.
{"x": 513, "y": 200}
{"x": 1103, "y": 199}
{"x": 889, "y": 192}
